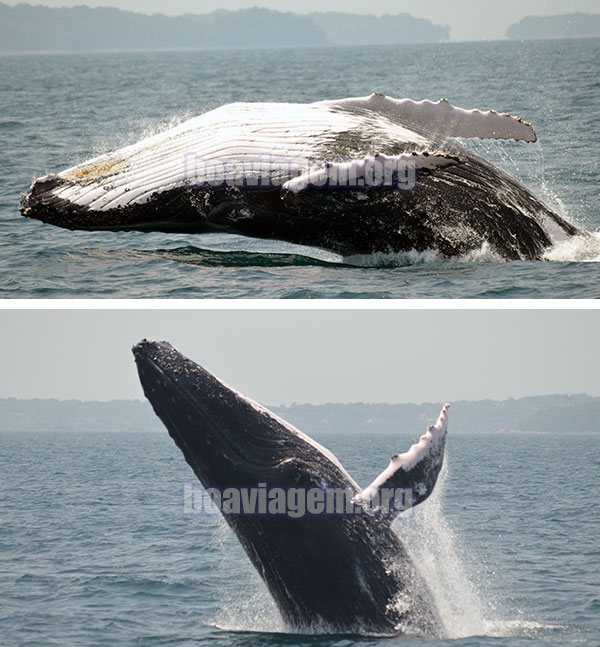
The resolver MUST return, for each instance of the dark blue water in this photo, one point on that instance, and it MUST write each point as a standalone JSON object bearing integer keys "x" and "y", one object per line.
{"x": 95, "y": 548}
{"x": 59, "y": 110}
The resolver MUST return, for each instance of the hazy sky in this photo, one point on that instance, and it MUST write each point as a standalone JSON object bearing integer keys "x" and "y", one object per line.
{"x": 469, "y": 19}
{"x": 278, "y": 357}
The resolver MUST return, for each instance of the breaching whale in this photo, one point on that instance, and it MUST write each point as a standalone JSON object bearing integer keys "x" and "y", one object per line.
{"x": 342, "y": 573}
{"x": 354, "y": 176}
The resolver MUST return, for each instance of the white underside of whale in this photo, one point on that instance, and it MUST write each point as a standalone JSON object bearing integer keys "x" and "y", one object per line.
{"x": 276, "y": 143}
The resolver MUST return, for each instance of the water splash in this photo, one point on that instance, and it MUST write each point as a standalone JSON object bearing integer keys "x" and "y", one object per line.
{"x": 254, "y": 612}
{"x": 579, "y": 249}
{"x": 483, "y": 254}
{"x": 249, "y": 607}
{"x": 584, "y": 248}
{"x": 465, "y": 603}
{"x": 436, "y": 551}
{"x": 139, "y": 128}
{"x": 393, "y": 259}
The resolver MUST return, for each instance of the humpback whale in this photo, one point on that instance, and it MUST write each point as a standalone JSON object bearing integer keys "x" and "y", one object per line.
{"x": 354, "y": 176}
{"x": 339, "y": 573}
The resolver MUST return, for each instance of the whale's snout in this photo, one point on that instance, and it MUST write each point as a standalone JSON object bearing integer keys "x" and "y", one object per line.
{"x": 195, "y": 408}
{"x": 159, "y": 354}
{"x": 40, "y": 201}
{"x": 70, "y": 202}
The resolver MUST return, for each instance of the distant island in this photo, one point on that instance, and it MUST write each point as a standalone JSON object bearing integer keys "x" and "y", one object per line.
{"x": 575, "y": 25}
{"x": 552, "y": 414}
{"x": 27, "y": 28}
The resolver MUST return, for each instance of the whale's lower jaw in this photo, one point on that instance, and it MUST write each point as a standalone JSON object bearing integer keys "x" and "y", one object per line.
{"x": 170, "y": 212}
{"x": 453, "y": 211}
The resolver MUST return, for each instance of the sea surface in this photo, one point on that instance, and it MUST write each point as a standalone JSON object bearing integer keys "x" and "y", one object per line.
{"x": 95, "y": 548}
{"x": 58, "y": 110}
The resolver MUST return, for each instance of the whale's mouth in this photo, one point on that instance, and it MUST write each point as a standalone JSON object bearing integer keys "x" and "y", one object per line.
{"x": 171, "y": 212}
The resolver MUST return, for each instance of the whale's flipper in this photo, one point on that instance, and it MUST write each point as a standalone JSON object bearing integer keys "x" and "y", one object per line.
{"x": 396, "y": 171}
{"x": 443, "y": 119}
{"x": 415, "y": 472}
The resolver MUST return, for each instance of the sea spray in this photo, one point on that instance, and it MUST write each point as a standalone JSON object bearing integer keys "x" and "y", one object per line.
{"x": 438, "y": 555}
{"x": 248, "y": 606}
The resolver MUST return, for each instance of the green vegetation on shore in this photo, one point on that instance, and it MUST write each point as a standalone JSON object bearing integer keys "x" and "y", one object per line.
{"x": 27, "y": 28}
{"x": 555, "y": 414}
{"x": 576, "y": 25}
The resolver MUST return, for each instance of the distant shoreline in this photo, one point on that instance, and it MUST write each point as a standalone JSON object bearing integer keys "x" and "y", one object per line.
{"x": 28, "y": 29}
{"x": 570, "y": 26}
{"x": 546, "y": 414}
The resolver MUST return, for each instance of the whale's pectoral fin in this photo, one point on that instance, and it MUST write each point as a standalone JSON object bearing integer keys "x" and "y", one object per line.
{"x": 410, "y": 477}
{"x": 378, "y": 172}
{"x": 442, "y": 119}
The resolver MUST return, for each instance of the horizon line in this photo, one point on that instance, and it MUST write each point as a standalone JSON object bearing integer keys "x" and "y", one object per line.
{"x": 173, "y": 50}
{"x": 321, "y": 404}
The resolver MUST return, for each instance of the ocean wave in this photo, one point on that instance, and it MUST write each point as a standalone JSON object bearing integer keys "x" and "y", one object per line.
{"x": 584, "y": 248}
{"x": 207, "y": 257}
{"x": 241, "y": 258}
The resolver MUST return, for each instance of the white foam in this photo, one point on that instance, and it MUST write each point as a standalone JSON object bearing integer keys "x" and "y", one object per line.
{"x": 250, "y": 613}
{"x": 483, "y": 254}
{"x": 578, "y": 249}
{"x": 528, "y": 628}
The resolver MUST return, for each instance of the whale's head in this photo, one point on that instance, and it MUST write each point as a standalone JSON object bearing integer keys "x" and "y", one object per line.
{"x": 227, "y": 439}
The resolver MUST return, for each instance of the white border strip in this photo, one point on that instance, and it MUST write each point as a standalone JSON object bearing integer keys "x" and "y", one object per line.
{"x": 299, "y": 304}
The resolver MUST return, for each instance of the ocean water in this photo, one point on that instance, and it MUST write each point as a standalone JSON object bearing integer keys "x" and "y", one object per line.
{"x": 95, "y": 548}
{"x": 58, "y": 110}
